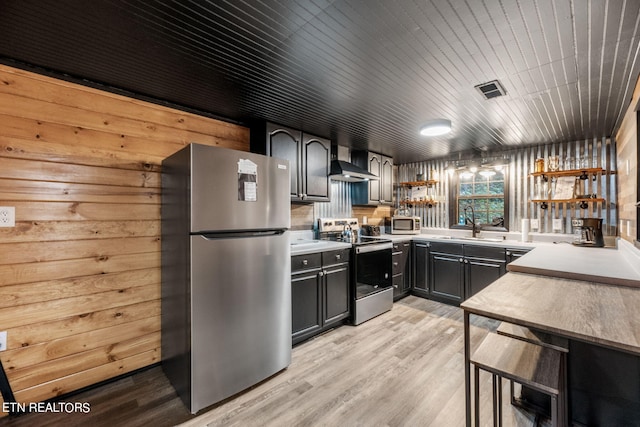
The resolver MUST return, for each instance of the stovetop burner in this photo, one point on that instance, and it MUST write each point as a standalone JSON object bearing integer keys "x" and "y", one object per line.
{"x": 345, "y": 230}
{"x": 359, "y": 241}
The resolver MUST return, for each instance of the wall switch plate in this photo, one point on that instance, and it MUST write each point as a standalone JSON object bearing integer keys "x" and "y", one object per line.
{"x": 7, "y": 216}
{"x": 535, "y": 224}
{"x": 557, "y": 224}
{"x": 3, "y": 340}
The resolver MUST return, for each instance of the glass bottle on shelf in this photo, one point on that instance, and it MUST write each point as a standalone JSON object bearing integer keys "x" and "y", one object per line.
{"x": 569, "y": 163}
{"x": 541, "y": 189}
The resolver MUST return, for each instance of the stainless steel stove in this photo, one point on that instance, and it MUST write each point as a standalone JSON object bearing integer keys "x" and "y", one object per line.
{"x": 371, "y": 287}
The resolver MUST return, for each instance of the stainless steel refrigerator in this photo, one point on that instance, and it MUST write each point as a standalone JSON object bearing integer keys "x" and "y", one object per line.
{"x": 226, "y": 291}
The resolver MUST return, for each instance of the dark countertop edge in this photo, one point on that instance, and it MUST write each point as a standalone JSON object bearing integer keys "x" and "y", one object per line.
{"x": 608, "y": 280}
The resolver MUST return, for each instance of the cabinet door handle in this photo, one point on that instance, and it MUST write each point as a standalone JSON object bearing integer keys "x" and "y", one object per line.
{"x": 395, "y": 286}
{"x": 461, "y": 260}
{"x": 466, "y": 261}
{"x": 321, "y": 273}
{"x": 395, "y": 264}
{"x": 508, "y": 253}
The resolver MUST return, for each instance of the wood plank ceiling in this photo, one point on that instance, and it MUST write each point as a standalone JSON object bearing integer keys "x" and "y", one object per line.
{"x": 365, "y": 73}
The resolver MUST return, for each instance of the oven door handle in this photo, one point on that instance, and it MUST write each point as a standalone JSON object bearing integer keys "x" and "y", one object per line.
{"x": 372, "y": 248}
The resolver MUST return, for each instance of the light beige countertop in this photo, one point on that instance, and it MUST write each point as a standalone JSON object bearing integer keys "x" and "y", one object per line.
{"x": 616, "y": 266}
{"x": 304, "y": 246}
{"x": 606, "y": 315}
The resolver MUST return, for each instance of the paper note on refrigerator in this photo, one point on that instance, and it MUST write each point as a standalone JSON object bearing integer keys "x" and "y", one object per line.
{"x": 247, "y": 181}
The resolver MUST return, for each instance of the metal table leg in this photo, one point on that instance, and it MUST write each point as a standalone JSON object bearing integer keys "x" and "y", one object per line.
{"x": 467, "y": 369}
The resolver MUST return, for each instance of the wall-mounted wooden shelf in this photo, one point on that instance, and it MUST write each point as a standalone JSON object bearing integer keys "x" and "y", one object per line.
{"x": 583, "y": 202}
{"x": 571, "y": 172}
{"x": 428, "y": 203}
{"x": 581, "y": 173}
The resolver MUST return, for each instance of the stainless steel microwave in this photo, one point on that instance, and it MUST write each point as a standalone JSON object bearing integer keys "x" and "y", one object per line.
{"x": 405, "y": 225}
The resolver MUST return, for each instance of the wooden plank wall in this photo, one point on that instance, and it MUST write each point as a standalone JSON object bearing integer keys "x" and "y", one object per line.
{"x": 80, "y": 272}
{"x": 627, "y": 138}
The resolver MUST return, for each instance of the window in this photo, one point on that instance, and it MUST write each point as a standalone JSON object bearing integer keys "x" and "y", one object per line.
{"x": 485, "y": 192}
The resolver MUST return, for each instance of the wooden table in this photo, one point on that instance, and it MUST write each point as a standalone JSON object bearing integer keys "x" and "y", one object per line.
{"x": 595, "y": 313}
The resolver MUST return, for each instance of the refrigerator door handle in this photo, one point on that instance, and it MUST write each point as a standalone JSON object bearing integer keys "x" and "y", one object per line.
{"x": 241, "y": 234}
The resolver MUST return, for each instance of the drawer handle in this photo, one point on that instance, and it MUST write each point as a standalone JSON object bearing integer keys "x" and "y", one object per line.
{"x": 338, "y": 256}
{"x": 395, "y": 264}
{"x": 305, "y": 262}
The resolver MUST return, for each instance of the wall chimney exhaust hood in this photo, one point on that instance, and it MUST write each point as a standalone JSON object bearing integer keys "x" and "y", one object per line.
{"x": 343, "y": 170}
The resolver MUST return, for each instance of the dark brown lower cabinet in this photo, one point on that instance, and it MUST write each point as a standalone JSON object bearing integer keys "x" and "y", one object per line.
{"x": 319, "y": 292}
{"x": 401, "y": 269}
{"x": 483, "y": 265}
{"x": 420, "y": 286}
{"x": 446, "y": 268}
{"x": 336, "y": 294}
{"x": 452, "y": 272}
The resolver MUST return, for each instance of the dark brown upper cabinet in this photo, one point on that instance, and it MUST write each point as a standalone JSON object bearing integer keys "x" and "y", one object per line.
{"x": 309, "y": 159}
{"x": 373, "y": 192}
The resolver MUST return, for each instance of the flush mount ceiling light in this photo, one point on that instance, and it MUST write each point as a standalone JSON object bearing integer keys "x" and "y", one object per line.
{"x": 436, "y": 127}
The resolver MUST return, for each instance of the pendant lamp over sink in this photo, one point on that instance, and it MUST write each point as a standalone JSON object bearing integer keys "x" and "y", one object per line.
{"x": 436, "y": 127}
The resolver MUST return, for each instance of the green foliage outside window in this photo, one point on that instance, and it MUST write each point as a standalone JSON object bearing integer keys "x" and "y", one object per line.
{"x": 484, "y": 194}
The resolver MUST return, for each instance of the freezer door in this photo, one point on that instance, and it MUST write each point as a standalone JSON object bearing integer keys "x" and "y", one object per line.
{"x": 241, "y": 314}
{"x": 225, "y": 197}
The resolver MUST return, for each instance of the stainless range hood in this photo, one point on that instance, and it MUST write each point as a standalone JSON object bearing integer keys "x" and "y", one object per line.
{"x": 343, "y": 170}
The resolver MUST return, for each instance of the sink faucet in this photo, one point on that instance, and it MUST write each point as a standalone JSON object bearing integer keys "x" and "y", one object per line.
{"x": 475, "y": 229}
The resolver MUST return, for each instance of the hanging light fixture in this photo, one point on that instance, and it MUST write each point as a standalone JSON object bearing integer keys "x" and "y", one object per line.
{"x": 487, "y": 173}
{"x": 436, "y": 127}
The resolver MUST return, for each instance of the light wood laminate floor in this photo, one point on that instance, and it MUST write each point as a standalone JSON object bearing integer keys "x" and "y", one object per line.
{"x": 403, "y": 368}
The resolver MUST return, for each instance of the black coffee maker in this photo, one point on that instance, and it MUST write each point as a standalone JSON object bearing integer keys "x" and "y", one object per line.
{"x": 587, "y": 232}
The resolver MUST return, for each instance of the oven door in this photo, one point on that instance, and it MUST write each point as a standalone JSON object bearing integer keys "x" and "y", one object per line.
{"x": 372, "y": 269}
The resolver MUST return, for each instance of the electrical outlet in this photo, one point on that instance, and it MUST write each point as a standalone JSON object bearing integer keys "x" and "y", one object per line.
{"x": 3, "y": 340}
{"x": 535, "y": 224}
{"x": 557, "y": 224}
{"x": 7, "y": 216}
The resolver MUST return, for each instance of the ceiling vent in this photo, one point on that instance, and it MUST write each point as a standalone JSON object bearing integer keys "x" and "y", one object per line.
{"x": 491, "y": 89}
